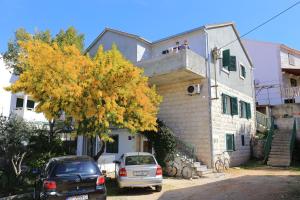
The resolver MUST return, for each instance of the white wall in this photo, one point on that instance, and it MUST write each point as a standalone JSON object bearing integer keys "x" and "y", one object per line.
{"x": 131, "y": 48}
{"x": 196, "y": 42}
{"x": 267, "y": 70}
{"x": 285, "y": 60}
{"x": 5, "y": 97}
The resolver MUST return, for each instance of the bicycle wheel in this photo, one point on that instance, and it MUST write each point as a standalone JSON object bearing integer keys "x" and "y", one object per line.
{"x": 172, "y": 170}
{"x": 187, "y": 172}
{"x": 226, "y": 164}
{"x": 219, "y": 166}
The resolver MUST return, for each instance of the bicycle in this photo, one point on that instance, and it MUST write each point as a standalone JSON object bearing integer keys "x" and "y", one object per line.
{"x": 188, "y": 169}
{"x": 172, "y": 168}
{"x": 222, "y": 163}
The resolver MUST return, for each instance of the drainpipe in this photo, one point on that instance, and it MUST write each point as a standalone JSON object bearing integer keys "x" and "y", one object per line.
{"x": 208, "y": 59}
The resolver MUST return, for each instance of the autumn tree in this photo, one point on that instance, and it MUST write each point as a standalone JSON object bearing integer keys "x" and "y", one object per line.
{"x": 13, "y": 55}
{"x": 99, "y": 93}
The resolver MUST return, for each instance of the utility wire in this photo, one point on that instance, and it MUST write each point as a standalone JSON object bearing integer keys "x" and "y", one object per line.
{"x": 262, "y": 24}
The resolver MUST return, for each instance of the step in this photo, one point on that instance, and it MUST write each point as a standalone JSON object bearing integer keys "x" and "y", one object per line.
{"x": 202, "y": 173}
{"x": 278, "y": 164}
{"x": 201, "y": 168}
{"x": 288, "y": 157}
{"x": 279, "y": 154}
{"x": 196, "y": 164}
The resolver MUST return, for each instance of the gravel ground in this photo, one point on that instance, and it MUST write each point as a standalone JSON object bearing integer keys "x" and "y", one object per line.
{"x": 259, "y": 184}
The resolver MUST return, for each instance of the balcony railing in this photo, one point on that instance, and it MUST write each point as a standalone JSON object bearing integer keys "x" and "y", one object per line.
{"x": 180, "y": 65}
{"x": 290, "y": 92}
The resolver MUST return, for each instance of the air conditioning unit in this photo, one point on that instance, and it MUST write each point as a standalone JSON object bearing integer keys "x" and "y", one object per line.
{"x": 194, "y": 89}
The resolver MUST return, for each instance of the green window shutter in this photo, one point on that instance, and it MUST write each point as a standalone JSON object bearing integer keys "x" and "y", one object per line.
{"x": 224, "y": 103}
{"x": 232, "y": 65}
{"x": 230, "y": 144}
{"x": 248, "y": 110}
{"x": 226, "y": 58}
{"x": 234, "y": 106}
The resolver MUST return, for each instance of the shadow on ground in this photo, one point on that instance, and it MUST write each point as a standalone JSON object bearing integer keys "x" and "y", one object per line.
{"x": 113, "y": 190}
{"x": 269, "y": 187}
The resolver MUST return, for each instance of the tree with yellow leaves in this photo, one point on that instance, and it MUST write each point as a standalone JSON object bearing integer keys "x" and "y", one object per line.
{"x": 98, "y": 93}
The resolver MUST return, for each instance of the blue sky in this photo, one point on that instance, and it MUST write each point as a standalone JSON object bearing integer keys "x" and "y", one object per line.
{"x": 151, "y": 19}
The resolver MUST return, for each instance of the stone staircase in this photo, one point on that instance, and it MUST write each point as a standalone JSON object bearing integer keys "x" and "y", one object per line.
{"x": 202, "y": 170}
{"x": 280, "y": 155}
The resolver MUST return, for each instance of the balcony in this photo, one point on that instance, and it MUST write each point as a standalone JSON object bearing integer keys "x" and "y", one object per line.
{"x": 290, "y": 92}
{"x": 183, "y": 65}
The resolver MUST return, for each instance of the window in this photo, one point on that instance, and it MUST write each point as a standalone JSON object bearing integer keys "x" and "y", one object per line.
{"x": 291, "y": 59}
{"x": 19, "y": 103}
{"x": 228, "y": 61}
{"x": 140, "y": 160}
{"x": 113, "y": 147}
{"x": 230, "y": 144}
{"x": 286, "y": 101}
{"x": 245, "y": 110}
{"x": 80, "y": 167}
{"x": 30, "y": 105}
{"x": 229, "y": 105}
{"x": 242, "y": 71}
{"x": 243, "y": 140}
{"x": 293, "y": 82}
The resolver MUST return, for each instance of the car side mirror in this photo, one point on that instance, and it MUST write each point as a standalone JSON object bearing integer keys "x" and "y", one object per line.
{"x": 117, "y": 162}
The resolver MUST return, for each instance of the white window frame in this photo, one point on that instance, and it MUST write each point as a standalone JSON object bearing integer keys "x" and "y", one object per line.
{"x": 291, "y": 58}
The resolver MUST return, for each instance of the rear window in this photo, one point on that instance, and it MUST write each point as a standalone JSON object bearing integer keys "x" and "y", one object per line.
{"x": 140, "y": 160}
{"x": 76, "y": 167}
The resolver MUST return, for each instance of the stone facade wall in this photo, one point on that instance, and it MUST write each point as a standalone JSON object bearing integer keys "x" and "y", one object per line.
{"x": 188, "y": 116}
{"x": 223, "y": 124}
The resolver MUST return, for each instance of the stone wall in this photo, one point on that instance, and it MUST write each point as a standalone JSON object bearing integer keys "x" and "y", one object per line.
{"x": 223, "y": 124}
{"x": 188, "y": 116}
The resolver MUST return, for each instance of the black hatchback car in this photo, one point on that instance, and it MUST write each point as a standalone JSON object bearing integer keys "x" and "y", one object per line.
{"x": 70, "y": 178}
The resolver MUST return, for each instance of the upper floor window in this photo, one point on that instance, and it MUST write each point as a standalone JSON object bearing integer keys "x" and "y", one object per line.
{"x": 242, "y": 71}
{"x": 30, "y": 104}
{"x": 228, "y": 61}
{"x": 229, "y": 104}
{"x": 291, "y": 59}
{"x": 19, "y": 103}
{"x": 293, "y": 82}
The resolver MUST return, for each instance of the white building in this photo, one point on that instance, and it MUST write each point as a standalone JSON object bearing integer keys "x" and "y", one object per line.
{"x": 276, "y": 72}
{"x": 208, "y": 102}
{"x": 18, "y": 104}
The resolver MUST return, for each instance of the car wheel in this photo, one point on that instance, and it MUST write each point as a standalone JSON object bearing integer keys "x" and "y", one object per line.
{"x": 158, "y": 188}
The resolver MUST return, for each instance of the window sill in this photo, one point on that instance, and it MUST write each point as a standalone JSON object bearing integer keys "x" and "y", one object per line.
{"x": 241, "y": 77}
{"x": 225, "y": 70}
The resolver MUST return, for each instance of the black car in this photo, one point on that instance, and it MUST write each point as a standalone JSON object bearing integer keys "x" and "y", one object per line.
{"x": 70, "y": 178}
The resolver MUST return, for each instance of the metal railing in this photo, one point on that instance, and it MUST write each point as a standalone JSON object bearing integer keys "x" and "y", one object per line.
{"x": 263, "y": 120}
{"x": 185, "y": 149}
{"x": 291, "y": 92}
{"x": 293, "y": 139}
{"x": 268, "y": 144}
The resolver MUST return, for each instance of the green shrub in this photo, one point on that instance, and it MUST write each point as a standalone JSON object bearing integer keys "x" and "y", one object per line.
{"x": 163, "y": 141}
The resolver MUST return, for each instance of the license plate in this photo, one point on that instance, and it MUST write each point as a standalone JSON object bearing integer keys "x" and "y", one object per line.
{"x": 140, "y": 173}
{"x": 81, "y": 197}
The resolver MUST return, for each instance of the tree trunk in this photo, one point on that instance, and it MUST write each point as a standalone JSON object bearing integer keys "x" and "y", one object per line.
{"x": 100, "y": 152}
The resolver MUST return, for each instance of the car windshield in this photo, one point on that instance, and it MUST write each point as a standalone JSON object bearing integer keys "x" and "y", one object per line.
{"x": 140, "y": 160}
{"x": 76, "y": 167}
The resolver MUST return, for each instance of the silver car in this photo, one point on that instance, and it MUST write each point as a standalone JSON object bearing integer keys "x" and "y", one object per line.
{"x": 138, "y": 169}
